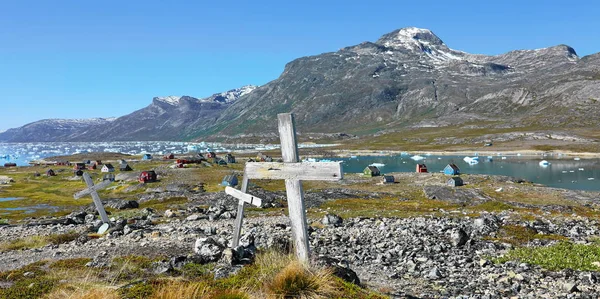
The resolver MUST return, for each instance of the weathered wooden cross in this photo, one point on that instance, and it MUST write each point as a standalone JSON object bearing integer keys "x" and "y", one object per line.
{"x": 93, "y": 190}
{"x": 243, "y": 198}
{"x": 293, "y": 172}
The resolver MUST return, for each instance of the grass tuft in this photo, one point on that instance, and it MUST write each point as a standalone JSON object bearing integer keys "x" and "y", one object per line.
{"x": 296, "y": 281}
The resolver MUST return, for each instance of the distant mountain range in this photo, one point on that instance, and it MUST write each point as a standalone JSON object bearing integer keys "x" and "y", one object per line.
{"x": 408, "y": 78}
{"x": 166, "y": 118}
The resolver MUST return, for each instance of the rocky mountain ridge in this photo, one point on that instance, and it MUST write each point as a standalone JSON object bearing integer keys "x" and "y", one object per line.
{"x": 166, "y": 118}
{"x": 408, "y": 78}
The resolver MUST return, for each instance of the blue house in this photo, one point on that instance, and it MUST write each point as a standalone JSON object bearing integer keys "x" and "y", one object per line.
{"x": 451, "y": 169}
{"x": 147, "y": 157}
{"x": 230, "y": 180}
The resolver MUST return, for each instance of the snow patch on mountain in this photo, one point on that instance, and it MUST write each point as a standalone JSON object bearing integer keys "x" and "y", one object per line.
{"x": 230, "y": 95}
{"x": 171, "y": 100}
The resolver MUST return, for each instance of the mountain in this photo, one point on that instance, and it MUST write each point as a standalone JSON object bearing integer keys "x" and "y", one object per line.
{"x": 166, "y": 118}
{"x": 52, "y": 129}
{"x": 410, "y": 78}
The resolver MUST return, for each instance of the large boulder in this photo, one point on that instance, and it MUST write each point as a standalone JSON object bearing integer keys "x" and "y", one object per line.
{"x": 339, "y": 268}
{"x": 208, "y": 250}
{"x": 121, "y": 204}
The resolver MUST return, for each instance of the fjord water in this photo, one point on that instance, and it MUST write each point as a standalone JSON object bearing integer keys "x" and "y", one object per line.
{"x": 564, "y": 172}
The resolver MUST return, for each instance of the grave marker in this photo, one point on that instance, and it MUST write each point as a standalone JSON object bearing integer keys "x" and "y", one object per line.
{"x": 93, "y": 190}
{"x": 243, "y": 198}
{"x": 293, "y": 172}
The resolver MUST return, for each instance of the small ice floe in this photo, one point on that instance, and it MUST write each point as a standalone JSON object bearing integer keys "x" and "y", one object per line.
{"x": 417, "y": 157}
{"x": 576, "y": 158}
{"x": 544, "y": 163}
{"x": 581, "y": 169}
{"x": 590, "y": 179}
{"x": 571, "y": 170}
{"x": 377, "y": 164}
{"x": 352, "y": 157}
{"x": 564, "y": 171}
{"x": 471, "y": 160}
{"x": 439, "y": 158}
{"x": 503, "y": 158}
{"x": 499, "y": 189}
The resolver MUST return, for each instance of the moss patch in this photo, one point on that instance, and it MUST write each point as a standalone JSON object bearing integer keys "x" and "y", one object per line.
{"x": 564, "y": 255}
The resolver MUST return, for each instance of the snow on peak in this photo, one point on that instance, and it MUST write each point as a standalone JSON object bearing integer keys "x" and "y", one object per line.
{"x": 230, "y": 95}
{"x": 171, "y": 100}
{"x": 420, "y": 41}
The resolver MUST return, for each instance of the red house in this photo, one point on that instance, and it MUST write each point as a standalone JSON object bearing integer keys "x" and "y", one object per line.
{"x": 169, "y": 156}
{"x": 421, "y": 168}
{"x": 92, "y": 166}
{"x": 147, "y": 176}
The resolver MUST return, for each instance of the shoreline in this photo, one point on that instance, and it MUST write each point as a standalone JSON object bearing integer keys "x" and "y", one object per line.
{"x": 533, "y": 153}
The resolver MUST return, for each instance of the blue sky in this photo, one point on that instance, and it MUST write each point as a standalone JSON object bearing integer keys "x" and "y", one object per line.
{"x": 82, "y": 59}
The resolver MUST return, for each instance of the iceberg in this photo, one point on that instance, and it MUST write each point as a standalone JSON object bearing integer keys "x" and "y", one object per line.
{"x": 544, "y": 163}
{"x": 417, "y": 157}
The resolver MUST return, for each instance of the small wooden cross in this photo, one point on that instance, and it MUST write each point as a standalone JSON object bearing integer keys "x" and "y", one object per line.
{"x": 93, "y": 190}
{"x": 243, "y": 198}
{"x": 293, "y": 172}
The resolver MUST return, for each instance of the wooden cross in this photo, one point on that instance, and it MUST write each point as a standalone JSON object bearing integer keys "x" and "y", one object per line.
{"x": 243, "y": 198}
{"x": 93, "y": 190}
{"x": 293, "y": 172}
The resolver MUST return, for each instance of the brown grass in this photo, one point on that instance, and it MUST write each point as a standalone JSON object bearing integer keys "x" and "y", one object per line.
{"x": 181, "y": 289}
{"x": 77, "y": 293}
{"x": 297, "y": 281}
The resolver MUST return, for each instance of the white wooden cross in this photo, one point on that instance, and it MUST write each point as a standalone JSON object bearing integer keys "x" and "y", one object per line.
{"x": 243, "y": 198}
{"x": 293, "y": 172}
{"x": 93, "y": 190}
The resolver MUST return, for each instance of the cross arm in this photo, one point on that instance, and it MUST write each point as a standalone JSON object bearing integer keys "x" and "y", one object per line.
{"x": 243, "y": 196}
{"x": 304, "y": 171}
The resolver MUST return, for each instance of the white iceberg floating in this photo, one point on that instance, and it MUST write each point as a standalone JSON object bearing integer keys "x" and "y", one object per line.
{"x": 417, "y": 157}
{"x": 377, "y": 164}
{"x": 471, "y": 160}
{"x": 576, "y": 158}
{"x": 544, "y": 163}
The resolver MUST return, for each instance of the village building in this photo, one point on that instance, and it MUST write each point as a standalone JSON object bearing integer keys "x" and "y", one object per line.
{"x": 91, "y": 166}
{"x": 230, "y": 180}
{"x": 451, "y": 169}
{"x": 109, "y": 177}
{"x": 108, "y": 168}
{"x": 10, "y": 164}
{"x": 230, "y": 158}
{"x": 211, "y": 155}
{"x": 148, "y": 176}
{"x": 455, "y": 181}
{"x": 371, "y": 171}
{"x": 169, "y": 156}
{"x": 147, "y": 157}
{"x": 421, "y": 168}
{"x": 388, "y": 179}
{"x": 125, "y": 167}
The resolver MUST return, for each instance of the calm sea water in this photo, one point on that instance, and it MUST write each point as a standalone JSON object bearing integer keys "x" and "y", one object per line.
{"x": 564, "y": 172}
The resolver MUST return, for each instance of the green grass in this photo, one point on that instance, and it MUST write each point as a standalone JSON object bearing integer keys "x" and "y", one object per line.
{"x": 519, "y": 235}
{"x": 564, "y": 255}
{"x": 37, "y": 241}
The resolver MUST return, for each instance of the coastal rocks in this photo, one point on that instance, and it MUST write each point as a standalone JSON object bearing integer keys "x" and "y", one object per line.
{"x": 120, "y": 204}
{"x": 331, "y": 219}
{"x": 455, "y": 195}
{"x": 126, "y": 177}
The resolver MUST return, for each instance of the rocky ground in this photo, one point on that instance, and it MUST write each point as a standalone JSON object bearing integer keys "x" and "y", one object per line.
{"x": 452, "y": 255}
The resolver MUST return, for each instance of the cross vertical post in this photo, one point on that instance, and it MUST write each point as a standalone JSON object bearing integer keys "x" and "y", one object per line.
{"x": 239, "y": 219}
{"x": 93, "y": 191}
{"x": 295, "y": 194}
